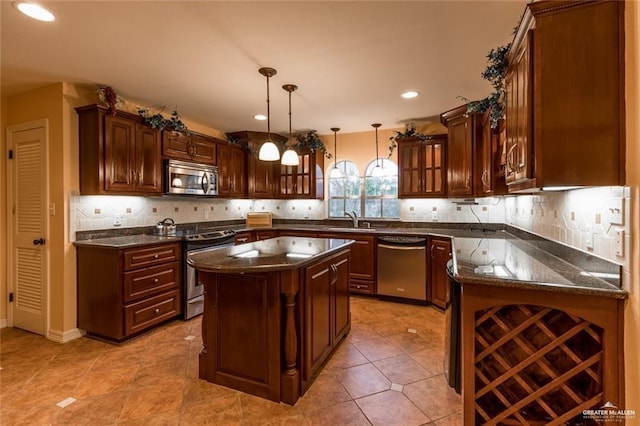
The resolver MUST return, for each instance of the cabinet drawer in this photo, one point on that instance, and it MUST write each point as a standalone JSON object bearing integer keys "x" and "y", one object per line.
{"x": 142, "y": 315}
{"x": 364, "y": 287}
{"x": 151, "y": 256}
{"x": 146, "y": 282}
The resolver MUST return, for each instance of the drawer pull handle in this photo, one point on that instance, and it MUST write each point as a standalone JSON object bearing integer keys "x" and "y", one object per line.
{"x": 157, "y": 310}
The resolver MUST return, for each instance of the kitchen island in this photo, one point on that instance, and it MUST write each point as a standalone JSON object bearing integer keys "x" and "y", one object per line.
{"x": 274, "y": 312}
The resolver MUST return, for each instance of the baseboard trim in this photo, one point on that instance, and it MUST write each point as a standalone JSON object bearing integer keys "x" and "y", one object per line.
{"x": 65, "y": 336}
{"x": 3, "y": 323}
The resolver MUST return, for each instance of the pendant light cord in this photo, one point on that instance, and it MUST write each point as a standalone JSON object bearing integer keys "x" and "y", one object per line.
{"x": 268, "y": 113}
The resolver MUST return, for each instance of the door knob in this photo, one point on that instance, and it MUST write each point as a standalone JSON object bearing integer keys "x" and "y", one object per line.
{"x": 38, "y": 242}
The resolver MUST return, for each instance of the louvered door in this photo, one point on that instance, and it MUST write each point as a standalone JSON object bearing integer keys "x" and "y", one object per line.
{"x": 28, "y": 224}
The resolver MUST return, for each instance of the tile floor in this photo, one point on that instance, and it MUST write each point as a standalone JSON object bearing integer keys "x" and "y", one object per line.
{"x": 382, "y": 374}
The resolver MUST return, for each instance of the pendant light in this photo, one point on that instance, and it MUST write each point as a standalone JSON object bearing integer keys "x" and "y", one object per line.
{"x": 335, "y": 172}
{"x": 290, "y": 156}
{"x": 268, "y": 151}
{"x": 377, "y": 171}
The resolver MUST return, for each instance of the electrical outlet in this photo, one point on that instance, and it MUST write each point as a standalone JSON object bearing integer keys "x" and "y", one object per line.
{"x": 619, "y": 244}
{"x": 615, "y": 211}
{"x": 589, "y": 238}
{"x": 434, "y": 216}
{"x": 117, "y": 220}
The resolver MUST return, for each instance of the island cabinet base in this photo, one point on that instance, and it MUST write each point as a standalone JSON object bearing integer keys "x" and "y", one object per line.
{"x": 268, "y": 334}
{"x": 539, "y": 357}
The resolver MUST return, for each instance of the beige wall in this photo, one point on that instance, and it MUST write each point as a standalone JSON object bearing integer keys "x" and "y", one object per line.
{"x": 632, "y": 311}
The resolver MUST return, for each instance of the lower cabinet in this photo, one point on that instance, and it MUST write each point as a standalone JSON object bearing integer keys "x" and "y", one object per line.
{"x": 123, "y": 292}
{"x": 439, "y": 255}
{"x": 325, "y": 295}
{"x": 244, "y": 237}
{"x": 363, "y": 261}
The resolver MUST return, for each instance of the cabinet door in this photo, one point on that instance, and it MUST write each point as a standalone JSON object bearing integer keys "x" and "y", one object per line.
{"x": 485, "y": 153}
{"x": 148, "y": 160}
{"x": 237, "y": 179}
{"x": 440, "y": 252}
{"x": 519, "y": 116}
{"x": 224, "y": 169}
{"x": 203, "y": 150}
{"x": 433, "y": 170}
{"x": 363, "y": 257}
{"x": 410, "y": 155}
{"x": 318, "y": 331}
{"x": 460, "y": 156}
{"x": 261, "y": 174}
{"x": 287, "y": 181}
{"x": 243, "y": 237}
{"x": 120, "y": 162}
{"x": 265, "y": 235}
{"x": 341, "y": 316}
{"x": 176, "y": 145}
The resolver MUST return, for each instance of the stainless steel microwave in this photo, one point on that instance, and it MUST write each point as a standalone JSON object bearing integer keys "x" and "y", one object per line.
{"x": 182, "y": 178}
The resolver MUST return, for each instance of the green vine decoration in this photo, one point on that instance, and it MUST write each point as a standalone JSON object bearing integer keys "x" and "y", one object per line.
{"x": 409, "y": 132}
{"x": 158, "y": 121}
{"x": 494, "y": 73}
{"x": 312, "y": 141}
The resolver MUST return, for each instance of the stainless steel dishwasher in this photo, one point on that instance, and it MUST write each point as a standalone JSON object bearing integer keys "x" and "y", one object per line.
{"x": 402, "y": 267}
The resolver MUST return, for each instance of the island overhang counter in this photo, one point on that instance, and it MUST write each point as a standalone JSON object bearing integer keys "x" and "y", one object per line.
{"x": 274, "y": 311}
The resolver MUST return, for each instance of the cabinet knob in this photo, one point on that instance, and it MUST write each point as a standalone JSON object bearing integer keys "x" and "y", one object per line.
{"x": 157, "y": 310}
{"x": 155, "y": 256}
{"x": 155, "y": 280}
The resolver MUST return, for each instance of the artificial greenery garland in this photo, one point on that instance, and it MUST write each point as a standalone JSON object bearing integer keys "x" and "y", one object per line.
{"x": 157, "y": 121}
{"x": 409, "y": 132}
{"x": 494, "y": 73}
{"x": 312, "y": 141}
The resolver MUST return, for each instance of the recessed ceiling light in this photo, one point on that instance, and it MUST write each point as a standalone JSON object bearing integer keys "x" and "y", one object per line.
{"x": 409, "y": 95}
{"x": 35, "y": 11}
{"x": 260, "y": 117}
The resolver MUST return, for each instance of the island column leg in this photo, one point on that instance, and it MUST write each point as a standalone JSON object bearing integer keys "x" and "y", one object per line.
{"x": 290, "y": 376}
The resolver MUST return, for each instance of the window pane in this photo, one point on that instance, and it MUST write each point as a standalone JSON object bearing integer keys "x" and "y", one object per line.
{"x": 336, "y": 207}
{"x": 372, "y": 186}
{"x": 390, "y": 186}
{"x": 352, "y": 187}
{"x": 353, "y": 205}
{"x": 336, "y": 187}
{"x": 373, "y": 208}
{"x": 390, "y": 208}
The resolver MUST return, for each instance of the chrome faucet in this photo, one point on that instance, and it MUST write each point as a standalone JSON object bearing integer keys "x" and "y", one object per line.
{"x": 354, "y": 217}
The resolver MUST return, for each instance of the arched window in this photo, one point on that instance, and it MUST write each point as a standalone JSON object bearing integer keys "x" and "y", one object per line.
{"x": 345, "y": 191}
{"x": 381, "y": 190}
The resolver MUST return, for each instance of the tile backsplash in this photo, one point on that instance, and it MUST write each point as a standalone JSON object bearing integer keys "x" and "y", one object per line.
{"x": 577, "y": 218}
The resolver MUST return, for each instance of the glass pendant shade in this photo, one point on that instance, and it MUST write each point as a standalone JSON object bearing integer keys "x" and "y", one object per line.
{"x": 335, "y": 173}
{"x": 269, "y": 152}
{"x": 289, "y": 158}
{"x": 377, "y": 171}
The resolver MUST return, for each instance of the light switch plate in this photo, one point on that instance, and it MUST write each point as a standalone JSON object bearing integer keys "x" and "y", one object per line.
{"x": 615, "y": 211}
{"x": 619, "y": 243}
{"x": 589, "y": 238}
{"x": 434, "y": 216}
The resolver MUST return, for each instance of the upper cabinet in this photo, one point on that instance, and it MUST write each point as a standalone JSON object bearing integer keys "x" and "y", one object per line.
{"x": 421, "y": 167}
{"x": 263, "y": 176}
{"x": 195, "y": 148}
{"x": 232, "y": 181}
{"x": 565, "y": 96}
{"x": 464, "y": 133}
{"x": 304, "y": 180}
{"x": 118, "y": 154}
{"x": 489, "y": 176}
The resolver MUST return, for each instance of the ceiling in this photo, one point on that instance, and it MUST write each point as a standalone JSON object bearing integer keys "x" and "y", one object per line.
{"x": 351, "y": 60}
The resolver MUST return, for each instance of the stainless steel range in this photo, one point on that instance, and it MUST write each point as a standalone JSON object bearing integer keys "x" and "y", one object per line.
{"x": 193, "y": 290}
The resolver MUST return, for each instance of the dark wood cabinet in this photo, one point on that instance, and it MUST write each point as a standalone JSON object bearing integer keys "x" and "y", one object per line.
{"x": 262, "y": 176}
{"x": 489, "y": 177}
{"x": 266, "y": 234}
{"x": 326, "y": 306}
{"x": 231, "y": 161}
{"x": 464, "y": 134}
{"x": 244, "y": 237}
{"x": 196, "y": 148}
{"x": 306, "y": 179}
{"x": 565, "y": 96}
{"x": 362, "y": 277}
{"x": 118, "y": 154}
{"x": 421, "y": 167}
{"x": 123, "y": 292}
{"x": 439, "y": 255}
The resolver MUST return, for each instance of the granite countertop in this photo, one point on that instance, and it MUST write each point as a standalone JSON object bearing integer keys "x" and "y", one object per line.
{"x": 127, "y": 241}
{"x": 512, "y": 262}
{"x": 274, "y": 254}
